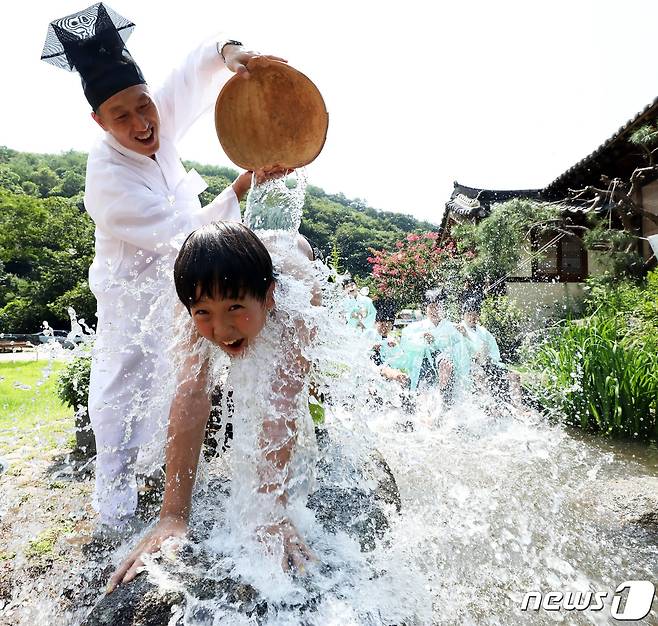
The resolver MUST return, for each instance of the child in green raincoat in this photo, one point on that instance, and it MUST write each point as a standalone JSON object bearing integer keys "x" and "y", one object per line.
{"x": 432, "y": 348}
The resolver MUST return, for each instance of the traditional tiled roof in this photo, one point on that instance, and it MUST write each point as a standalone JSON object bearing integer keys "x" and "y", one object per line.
{"x": 476, "y": 203}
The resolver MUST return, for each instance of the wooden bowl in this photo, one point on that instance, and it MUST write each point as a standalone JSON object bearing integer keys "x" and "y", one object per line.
{"x": 276, "y": 117}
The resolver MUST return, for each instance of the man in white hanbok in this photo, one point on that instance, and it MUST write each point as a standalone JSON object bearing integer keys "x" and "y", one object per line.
{"x": 143, "y": 204}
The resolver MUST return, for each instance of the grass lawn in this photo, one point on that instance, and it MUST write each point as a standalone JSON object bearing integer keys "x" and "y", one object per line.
{"x": 31, "y": 415}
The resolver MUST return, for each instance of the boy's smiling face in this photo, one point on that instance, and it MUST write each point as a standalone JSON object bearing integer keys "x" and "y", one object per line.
{"x": 231, "y": 324}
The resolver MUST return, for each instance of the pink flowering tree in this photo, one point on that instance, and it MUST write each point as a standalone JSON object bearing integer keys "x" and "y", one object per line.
{"x": 417, "y": 263}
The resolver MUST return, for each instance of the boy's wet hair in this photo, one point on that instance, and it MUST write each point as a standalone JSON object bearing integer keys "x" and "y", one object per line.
{"x": 223, "y": 260}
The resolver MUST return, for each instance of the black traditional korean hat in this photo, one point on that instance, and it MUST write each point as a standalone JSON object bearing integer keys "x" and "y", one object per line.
{"x": 92, "y": 42}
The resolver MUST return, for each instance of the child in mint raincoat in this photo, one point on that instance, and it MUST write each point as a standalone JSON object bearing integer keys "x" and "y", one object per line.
{"x": 432, "y": 348}
{"x": 358, "y": 308}
{"x": 483, "y": 345}
{"x": 386, "y": 351}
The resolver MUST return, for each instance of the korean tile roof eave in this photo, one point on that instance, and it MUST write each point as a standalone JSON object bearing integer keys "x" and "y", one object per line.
{"x": 489, "y": 197}
{"x": 513, "y": 192}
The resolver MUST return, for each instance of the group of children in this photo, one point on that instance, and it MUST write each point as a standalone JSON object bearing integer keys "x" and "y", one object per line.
{"x": 432, "y": 352}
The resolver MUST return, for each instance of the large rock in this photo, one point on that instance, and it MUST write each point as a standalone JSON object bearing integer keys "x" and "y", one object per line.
{"x": 141, "y": 603}
{"x": 360, "y": 511}
{"x": 631, "y": 500}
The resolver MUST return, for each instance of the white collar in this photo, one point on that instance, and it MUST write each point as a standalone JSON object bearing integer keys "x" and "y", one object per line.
{"x": 110, "y": 139}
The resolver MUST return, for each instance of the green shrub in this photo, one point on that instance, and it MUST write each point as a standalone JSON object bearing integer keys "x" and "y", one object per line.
{"x": 507, "y": 323}
{"x": 73, "y": 389}
{"x": 598, "y": 376}
{"x": 73, "y": 383}
{"x": 637, "y": 301}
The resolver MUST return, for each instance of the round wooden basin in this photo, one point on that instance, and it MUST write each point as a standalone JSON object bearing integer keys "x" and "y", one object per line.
{"x": 276, "y": 117}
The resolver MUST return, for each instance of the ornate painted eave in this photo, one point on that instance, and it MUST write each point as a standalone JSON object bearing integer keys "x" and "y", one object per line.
{"x": 474, "y": 203}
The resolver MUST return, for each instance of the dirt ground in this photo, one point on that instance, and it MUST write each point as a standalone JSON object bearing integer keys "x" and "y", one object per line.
{"x": 50, "y": 573}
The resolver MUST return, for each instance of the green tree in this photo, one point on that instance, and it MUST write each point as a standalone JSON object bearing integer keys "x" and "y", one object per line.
{"x": 45, "y": 179}
{"x": 29, "y": 188}
{"x": 216, "y": 184}
{"x": 47, "y": 239}
{"x": 71, "y": 185}
{"x": 46, "y": 246}
{"x": 498, "y": 242}
{"x": 9, "y": 180}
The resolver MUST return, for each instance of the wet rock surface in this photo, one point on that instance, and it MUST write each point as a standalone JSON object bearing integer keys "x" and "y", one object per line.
{"x": 360, "y": 512}
{"x": 142, "y": 603}
{"x": 634, "y": 501}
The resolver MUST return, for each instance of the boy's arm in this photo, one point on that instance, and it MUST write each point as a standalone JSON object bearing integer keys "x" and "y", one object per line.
{"x": 492, "y": 345}
{"x": 188, "y": 417}
{"x": 277, "y": 441}
{"x": 279, "y": 432}
{"x": 371, "y": 314}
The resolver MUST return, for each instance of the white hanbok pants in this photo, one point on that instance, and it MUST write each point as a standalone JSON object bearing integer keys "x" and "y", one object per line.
{"x": 128, "y": 403}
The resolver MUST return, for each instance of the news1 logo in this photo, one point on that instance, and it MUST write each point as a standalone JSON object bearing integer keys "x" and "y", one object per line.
{"x": 633, "y": 605}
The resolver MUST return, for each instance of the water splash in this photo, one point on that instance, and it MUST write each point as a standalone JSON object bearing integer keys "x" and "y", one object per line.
{"x": 277, "y": 204}
{"x": 495, "y": 500}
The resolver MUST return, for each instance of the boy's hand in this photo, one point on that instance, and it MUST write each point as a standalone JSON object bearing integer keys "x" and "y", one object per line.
{"x": 401, "y": 378}
{"x": 240, "y": 61}
{"x": 395, "y": 375}
{"x": 133, "y": 564}
{"x": 296, "y": 554}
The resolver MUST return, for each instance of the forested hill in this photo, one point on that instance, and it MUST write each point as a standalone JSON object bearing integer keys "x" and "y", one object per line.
{"x": 46, "y": 238}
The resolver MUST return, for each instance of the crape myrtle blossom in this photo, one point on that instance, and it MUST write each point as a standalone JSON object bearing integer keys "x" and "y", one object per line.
{"x": 415, "y": 264}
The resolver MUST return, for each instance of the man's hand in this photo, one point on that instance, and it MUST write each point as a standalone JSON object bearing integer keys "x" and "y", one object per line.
{"x": 242, "y": 184}
{"x": 296, "y": 554}
{"x": 240, "y": 61}
{"x": 133, "y": 564}
{"x": 270, "y": 172}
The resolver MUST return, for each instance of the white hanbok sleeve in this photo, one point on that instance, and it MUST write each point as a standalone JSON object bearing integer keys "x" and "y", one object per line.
{"x": 225, "y": 207}
{"x": 122, "y": 206}
{"x": 191, "y": 89}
